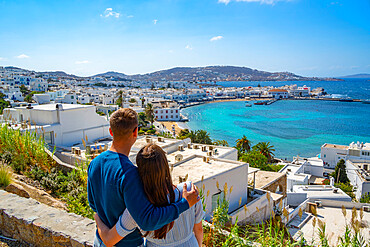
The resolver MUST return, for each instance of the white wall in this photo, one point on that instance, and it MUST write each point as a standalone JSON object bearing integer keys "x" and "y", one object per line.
{"x": 258, "y": 210}
{"x": 295, "y": 199}
{"x": 237, "y": 178}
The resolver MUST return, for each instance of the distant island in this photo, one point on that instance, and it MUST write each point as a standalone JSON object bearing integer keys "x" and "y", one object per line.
{"x": 356, "y": 76}
{"x": 196, "y": 74}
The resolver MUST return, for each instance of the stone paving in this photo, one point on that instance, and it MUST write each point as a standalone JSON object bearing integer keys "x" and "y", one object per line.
{"x": 42, "y": 225}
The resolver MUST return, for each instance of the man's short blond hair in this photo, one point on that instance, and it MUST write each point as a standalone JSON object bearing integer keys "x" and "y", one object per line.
{"x": 123, "y": 122}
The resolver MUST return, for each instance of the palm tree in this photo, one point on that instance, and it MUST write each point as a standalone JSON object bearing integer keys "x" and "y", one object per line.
{"x": 149, "y": 113}
{"x": 142, "y": 119}
{"x": 265, "y": 149}
{"x": 221, "y": 143}
{"x": 119, "y": 101}
{"x": 203, "y": 137}
{"x": 243, "y": 144}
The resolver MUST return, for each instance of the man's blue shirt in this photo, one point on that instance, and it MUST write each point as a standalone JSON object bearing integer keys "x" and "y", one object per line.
{"x": 114, "y": 185}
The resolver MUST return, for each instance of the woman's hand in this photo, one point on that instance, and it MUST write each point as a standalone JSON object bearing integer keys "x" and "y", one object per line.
{"x": 104, "y": 231}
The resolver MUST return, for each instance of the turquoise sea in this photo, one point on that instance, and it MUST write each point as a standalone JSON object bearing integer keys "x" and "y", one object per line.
{"x": 294, "y": 127}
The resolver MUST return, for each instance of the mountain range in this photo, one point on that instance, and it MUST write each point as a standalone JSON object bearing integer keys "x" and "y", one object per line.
{"x": 214, "y": 73}
{"x": 198, "y": 74}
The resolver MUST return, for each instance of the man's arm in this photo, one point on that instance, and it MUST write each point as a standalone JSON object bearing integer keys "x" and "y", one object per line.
{"x": 90, "y": 197}
{"x": 147, "y": 216}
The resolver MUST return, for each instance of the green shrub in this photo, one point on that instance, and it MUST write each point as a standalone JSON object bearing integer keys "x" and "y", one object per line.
{"x": 5, "y": 175}
{"x": 151, "y": 131}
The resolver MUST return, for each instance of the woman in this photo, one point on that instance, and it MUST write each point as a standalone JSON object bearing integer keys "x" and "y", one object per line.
{"x": 186, "y": 231}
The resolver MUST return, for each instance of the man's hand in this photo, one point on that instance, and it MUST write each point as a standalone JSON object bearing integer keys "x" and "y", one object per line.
{"x": 191, "y": 196}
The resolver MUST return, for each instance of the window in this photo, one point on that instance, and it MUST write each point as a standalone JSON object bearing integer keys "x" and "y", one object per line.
{"x": 217, "y": 197}
{"x": 171, "y": 111}
{"x": 324, "y": 155}
{"x": 166, "y": 111}
{"x": 49, "y": 137}
{"x": 177, "y": 111}
{"x": 72, "y": 97}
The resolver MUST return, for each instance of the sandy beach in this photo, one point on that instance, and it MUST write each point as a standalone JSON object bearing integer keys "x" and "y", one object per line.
{"x": 170, "y": 124}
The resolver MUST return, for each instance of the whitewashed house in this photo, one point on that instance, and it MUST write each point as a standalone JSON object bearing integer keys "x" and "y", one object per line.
{"x": 69, "y": 98}
{"x": 62, "y": 125}
{"x": 358, "y": 173}
{"x": 279, "y": 93}
{"x": 332, "y": 153}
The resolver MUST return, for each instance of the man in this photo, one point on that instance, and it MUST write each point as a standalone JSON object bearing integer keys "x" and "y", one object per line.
{"x": 114, "y": 184}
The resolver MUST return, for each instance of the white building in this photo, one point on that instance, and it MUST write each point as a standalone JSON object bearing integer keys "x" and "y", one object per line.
{"x": 358, "y": 172}
{"x": 303, "y": 172}
{"x": 62, "y": 125}
{"x": 83, "y": 99}
{"x": 42, "y": 98}
{"x": 332, "y": 153}
{"x": 69, "y": 98}
{"x": 166, "y": 111}
{"x": 278, "y": 93}
{"x": 107, "y": 100}
{"x": 38, "y": 85}
{"x": 318, "y": 192}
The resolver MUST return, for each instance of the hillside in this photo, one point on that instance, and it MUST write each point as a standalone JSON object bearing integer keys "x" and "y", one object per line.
{"x": 191, "y": 74}
{"x": 221, "y": 73}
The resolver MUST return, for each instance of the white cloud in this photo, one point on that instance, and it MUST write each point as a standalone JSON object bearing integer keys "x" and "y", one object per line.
{"x": 216, "y": 38}
{"x": 109, "y": 12}
{"x": 22, "y": 56}
{"x": 82, "y": 62}
{"x": 188, "y": 47}
{"x": 155, "y": 22}
{"x": 130, "y": 16}
{"x": 256, "y": 1}
{"x": 170, "y": 51}
{"x": 2, "y": 59}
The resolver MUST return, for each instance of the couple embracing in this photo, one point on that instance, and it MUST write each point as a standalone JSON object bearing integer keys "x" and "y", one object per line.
{"x": 135, "y": 202}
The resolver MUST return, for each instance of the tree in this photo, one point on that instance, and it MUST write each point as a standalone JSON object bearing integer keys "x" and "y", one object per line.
{"x": 184, "y": 133}
{"x": 243, "y": 145}
{"x": 221, "y": 143}
{"x": 3, "y": 103}
{"x": 142, "y": 102}
{"x": 266, "y": 149}
{"x": 168, "y": 85}
{"x": 119, "y": 101}
{"x": 365, "y": 198}
{"x": 142, "y": 119}
{"x": 24, "y": 90}
{"x": 29, "y": 98}
{"x": 340, "y": 174}
{"x": 255, "y": 159}
{"x": 149, "y": 113}
{"x": 132, "y": 100}
{"x": 200, "y": 136}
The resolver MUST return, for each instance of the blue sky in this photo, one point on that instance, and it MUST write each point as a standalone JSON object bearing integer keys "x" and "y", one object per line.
{"x": 306, "y": 37}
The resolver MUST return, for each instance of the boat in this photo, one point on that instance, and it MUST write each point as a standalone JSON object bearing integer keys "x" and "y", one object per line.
{"x": 366, "y": 101}
{"x": 260, "y": 103}
{"x": 248, "y": 105}
{"x": 346, "y": 99}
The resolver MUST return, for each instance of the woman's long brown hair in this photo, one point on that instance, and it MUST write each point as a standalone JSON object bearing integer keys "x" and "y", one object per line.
{"x": 156, "y": 177}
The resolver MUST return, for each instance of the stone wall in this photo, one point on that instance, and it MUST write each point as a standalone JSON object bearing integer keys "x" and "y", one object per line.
{"x": 277, "y": 185}
{"x": 30, "y": 221}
